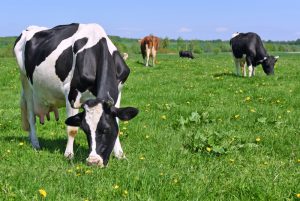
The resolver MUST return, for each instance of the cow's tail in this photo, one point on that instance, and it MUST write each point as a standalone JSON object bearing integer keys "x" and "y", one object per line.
{"x": 23, "y": 105}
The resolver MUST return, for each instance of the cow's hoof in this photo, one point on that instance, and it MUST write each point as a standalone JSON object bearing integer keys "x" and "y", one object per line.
{"x": 36, "y": 145}
{"x": 120, "y": 155}
{"x": 69, "y": 155}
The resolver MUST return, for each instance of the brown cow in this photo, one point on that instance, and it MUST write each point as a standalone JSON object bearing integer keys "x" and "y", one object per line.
{"x": 149, "y": 46}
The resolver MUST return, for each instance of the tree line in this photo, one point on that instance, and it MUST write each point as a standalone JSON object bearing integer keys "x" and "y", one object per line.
{"x": 167, "y": 45}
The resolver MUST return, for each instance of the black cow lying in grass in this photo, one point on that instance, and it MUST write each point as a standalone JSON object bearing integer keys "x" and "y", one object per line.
{"x": 187, "y": 54}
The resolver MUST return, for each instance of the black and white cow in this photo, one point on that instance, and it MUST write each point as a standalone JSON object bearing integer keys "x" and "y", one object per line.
{"x": 74, "y": 65}
{"x": 248, "y": 48}
{"x": 187, "y": 54}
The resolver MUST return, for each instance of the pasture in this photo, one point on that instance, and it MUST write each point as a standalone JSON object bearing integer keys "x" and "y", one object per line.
{"x": 201, "y": 134}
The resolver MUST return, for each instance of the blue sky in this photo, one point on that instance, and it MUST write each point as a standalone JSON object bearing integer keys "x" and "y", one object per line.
{"x": 190, "y": 19}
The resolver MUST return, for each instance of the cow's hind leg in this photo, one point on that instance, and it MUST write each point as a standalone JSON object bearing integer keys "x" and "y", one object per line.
{"x": 27, "y": 112}
{"x": 147, "y": 55}
{"x": 72, "y": 131}
{"x": 118, "y": 151}
{"x": 237, "y": 66}
{"x": 153, "y": 56}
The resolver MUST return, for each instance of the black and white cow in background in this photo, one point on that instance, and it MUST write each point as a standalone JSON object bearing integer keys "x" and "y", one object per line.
{"x": 248, "y": 48}
{"x": 74, "y": 65}
{"x": 187, "y": 54}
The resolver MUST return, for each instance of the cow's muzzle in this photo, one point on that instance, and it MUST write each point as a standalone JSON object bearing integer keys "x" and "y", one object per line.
{"x": 95, "y": 160}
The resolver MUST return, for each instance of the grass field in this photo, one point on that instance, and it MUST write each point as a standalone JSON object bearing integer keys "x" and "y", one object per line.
{"x": 201, "y": 134}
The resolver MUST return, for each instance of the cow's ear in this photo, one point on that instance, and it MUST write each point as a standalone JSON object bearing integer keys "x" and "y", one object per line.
{"x": 122, "y": 68}
{"x": 125, "y": 113}
{"x": 276, "y": 58}
{"x": 75, "y": 120}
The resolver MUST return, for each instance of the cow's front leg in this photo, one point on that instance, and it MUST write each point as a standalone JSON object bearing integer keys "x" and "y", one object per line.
{"x": 118, "y": 151}
{"x": 251, "y": 69}
{"x": 147, "y": 55}
{"x": 71, "y": 131}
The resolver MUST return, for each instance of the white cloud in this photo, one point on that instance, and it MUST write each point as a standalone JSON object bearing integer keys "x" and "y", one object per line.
{"x": 184, "y": 30}
{"x": 221, "y": 29}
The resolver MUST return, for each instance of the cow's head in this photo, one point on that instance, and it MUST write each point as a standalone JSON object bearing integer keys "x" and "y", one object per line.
{"x": 268, "y": 64}
{"x": 98, "y": 121}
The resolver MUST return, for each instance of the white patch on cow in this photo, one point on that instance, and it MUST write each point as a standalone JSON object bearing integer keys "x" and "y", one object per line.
{"x": 77, "y": 102}
{"x": 92, "y": 118}
{"x": 85, "y": 30}
{"x": 235, "y": 34}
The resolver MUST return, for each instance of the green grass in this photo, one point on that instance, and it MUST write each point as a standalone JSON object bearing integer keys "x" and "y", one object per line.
{"x": 195, "y": 137}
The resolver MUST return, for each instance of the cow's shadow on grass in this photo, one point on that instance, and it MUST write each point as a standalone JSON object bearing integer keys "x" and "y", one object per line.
{"x": 54, "y": 146}
{"x": 226, "y": 74}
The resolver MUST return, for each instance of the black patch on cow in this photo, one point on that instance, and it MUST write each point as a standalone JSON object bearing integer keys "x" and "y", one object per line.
{"x": 43, "y": 43}
{"x": 123, "y": 70}
{"x": 79, "y": 44}
{"x": 17, "y": 40}
{"x": 63, "y": 64}
{"x": 95, "y": 70}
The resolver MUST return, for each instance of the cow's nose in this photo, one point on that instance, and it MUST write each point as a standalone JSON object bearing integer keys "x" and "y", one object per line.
{"x": 95, "y": 159}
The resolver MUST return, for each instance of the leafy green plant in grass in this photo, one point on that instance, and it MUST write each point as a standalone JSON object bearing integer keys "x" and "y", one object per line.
{"x": 201, "y": 135}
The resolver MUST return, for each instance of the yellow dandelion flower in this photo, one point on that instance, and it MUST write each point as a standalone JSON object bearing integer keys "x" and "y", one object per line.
{"x": 145, "y": 126}
{"x": 78, "y": 174}
{"x": 77, "y": 167}
{"x": 248, "y": 98}
{"x": 21, "y": 143}
{"x": 188, "y": 102}
{"x": 142, "y": 158}
{"x": 8, "y": 151}
{"x": 298, "y": 160}
{"x": 43, "y": 193}
{"x": 164, "y": 117}
{"x": 69, "y": 171}
{"x": 175, "y": 181}
{"x": 161, "y": 174}
{"x": 88, "y": 171}
{"x": 208, "y": 149}
{"x": 121, "y": 133}
{"x": 147, "y": 136}
{"x": 236, "y": 116}
{"x": 258, "y": 139}
{"x": 241, "y": 91}
{"x": 252, "y": 110}
{"x": 125, "y": 192}
{"x": 288, "y": 111}
{"x": 278, "y": 101}
{"x": 231, "y": 160}
{"x": 298, "y": 195}
{"x": 116, "y": 186}
{"x": 279, "y": 117}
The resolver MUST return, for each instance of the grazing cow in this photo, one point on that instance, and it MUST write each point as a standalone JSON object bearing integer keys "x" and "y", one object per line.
{"x": 187, "y": 54}
{"x": 248, "y": 48}
{"x": 149, "y": 47}
{"x": 74, "y": 65}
